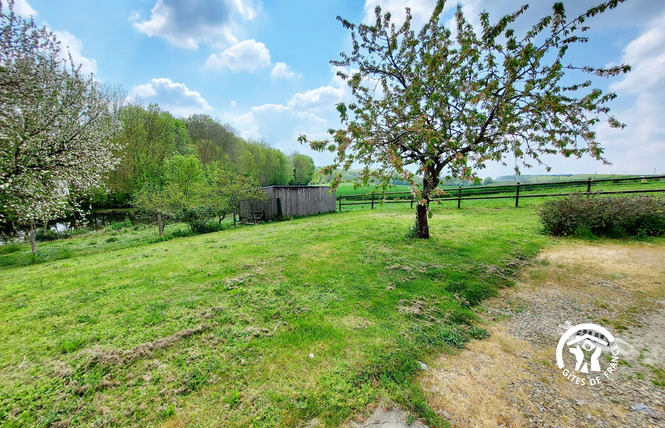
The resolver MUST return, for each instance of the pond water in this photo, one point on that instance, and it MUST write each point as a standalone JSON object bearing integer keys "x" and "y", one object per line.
{"x": 95, "y": 220}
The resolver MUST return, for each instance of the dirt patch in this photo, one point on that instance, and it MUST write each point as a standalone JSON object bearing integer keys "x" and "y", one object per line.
{"x": 143, "y": 350}
{"x": 511, "y": 378}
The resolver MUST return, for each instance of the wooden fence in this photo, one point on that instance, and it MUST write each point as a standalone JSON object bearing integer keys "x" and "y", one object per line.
{"x": 510, "y": 191}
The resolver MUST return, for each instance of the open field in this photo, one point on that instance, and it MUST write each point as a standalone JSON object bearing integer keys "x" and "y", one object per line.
{"x": 270, "y": 325}
{"x": 527, "y": 193}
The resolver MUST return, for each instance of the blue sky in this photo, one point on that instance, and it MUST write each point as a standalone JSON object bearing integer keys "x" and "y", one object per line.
{"x": 263, "y": 66}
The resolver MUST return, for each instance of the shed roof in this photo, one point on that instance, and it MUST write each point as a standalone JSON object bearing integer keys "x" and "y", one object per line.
{"x": 292, "y": 186}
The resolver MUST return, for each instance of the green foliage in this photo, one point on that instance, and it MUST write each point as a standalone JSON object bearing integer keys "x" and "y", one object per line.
{"x": 198, "y": 219}
{"x": 303, "y": 168}
{"x": 215, "y": 142}
{"x": 151, "y": 140}
{"x": 604, "y": 216}
{"x": 44, "y": 235}
{"x": 49, "y": 235}
{"x": 412, "y": 233}
{"x": 266, "y": 164}
{"x": 10, "y": 247}
{"x": 147, "y": 138}
{"x": 117, "y": 225}
{"x": 195, "y": 194}
{"x": 226, "y": 189}
{"x": 168, "y": 411}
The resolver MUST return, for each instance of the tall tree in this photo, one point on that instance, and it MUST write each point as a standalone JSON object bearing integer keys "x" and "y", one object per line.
{"x": 56, "y": 125}
{"x": 148, "y": 137}
{"x": 303, "y": 168}
{"x": 437, "y": 100}
{"x": 220, "y": 139}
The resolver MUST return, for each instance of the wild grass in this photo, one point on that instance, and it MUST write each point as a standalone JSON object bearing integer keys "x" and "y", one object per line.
{"x": 114, "y": 237}
{"x": 271, "y": 325}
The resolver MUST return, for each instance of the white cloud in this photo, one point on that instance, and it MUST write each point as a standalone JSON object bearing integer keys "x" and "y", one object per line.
{"x": 648, "y": 59}
{"x": 310, "y": 113}
{"x": 641, "y": 145}
{"x": 317, "y": 99}
{"x": 69, "y": 43}
{"x": 421, "y": 10}
{"x": 171, "y": 96}
{"x": 134, "y": 16}
{"x": 21, "y": 8}
{"x": 280, "y": 126}
{"x": 187, "y": 23}
{"x": 247, "y": 55}
{"x": 283, "y": 71}
{"x": 73, "y": 46}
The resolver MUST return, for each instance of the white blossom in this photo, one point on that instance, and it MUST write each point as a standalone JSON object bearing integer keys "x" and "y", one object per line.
{"x": 56, "y": 125}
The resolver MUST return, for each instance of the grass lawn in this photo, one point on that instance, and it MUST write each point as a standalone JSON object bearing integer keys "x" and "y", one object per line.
{"x": 270, "y": 325}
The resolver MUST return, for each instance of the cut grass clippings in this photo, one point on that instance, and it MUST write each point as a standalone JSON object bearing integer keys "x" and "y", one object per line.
{"x": 271, "y": 325}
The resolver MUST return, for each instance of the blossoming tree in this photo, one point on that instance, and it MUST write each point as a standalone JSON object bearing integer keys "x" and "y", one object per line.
{"x": 55, "y": 125}
{"x": 440, "y": 101}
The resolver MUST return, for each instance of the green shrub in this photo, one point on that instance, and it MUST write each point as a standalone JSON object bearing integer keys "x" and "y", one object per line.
{"x": 181, "y": 233}
{"x": 198, "y": 219}
{"x": 10, "y": 247}
{"x": 120, "y": 224}
{"x": 49, "y": 235}
{"x": 204, "y": 226}
{"x": 52, "y": 235}
{"x": 614, "y": 217}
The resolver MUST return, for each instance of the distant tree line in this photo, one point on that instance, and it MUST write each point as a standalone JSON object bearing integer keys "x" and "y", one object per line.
{"x": 195, "y": 170}
{"x": 150, "y": 136}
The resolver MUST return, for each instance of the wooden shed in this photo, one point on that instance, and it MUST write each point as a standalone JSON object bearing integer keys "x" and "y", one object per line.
{"x": 289, "y": 201}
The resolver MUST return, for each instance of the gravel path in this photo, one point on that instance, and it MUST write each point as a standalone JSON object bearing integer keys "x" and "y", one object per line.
{"x": 511, "y": 378}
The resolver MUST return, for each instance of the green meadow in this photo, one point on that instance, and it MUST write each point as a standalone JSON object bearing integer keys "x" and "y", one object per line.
{"x": 269, "y": 325}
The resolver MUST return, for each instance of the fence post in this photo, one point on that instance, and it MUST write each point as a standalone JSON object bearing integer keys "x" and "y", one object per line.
{"x": 411, "y": 201}
{"x": 340, "y": 204}
{"x": 517, "y": 195}
{"x": 588, "y": 187}
{"x": 459, "y": 197}
{"x": 372, "y": 200}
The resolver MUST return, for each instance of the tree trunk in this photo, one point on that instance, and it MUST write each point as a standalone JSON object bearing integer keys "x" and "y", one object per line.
{"x": 234, "y": 217}
{"x": 422, "y": 210}
{"x": 422, "y": 228}
{"x": 160, "y": 225}
{"x": 31, "y": 233}
{"x": 219, "y": 223}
